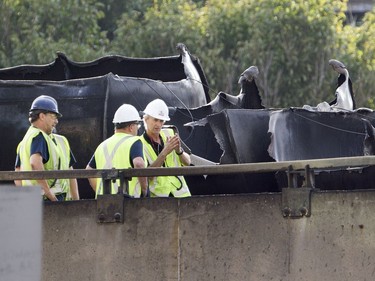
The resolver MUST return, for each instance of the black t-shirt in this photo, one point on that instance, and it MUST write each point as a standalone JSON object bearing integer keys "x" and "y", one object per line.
{"x": 158, "y": 147}
{"x": 39, "y": 145}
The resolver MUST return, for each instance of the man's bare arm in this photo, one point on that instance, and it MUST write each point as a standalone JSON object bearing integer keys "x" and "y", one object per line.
{"x": 36, "y": 162}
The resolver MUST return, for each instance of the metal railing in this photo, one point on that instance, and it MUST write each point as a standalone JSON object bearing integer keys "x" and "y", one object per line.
{"x": 321, "y": 164}
{"x": 296, "y": 202}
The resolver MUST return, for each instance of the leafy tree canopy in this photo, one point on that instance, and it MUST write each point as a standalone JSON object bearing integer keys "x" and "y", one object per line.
{"x": 290, "y": 41}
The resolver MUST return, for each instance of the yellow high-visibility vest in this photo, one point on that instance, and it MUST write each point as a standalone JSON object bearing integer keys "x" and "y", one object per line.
{"x": 56, "y": 161}
{"x": 162, "y": 186}
{"x": 114, "y": 152}
{"x": 63, "y": 143}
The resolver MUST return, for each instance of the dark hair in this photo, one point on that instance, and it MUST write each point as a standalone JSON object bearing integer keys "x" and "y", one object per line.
{"x": 123, "y": 125}
{"x": 34, "y": 115}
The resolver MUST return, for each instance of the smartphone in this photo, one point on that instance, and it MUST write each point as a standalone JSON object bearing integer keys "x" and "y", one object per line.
{"x": 175, "y": 130}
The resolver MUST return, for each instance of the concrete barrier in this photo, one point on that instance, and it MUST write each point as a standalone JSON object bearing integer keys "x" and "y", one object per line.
{"x": 237, "y": 237}
{"x": 20, "y": 233}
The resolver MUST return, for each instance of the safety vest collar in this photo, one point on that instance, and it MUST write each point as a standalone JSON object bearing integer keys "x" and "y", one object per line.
{"x": 162, "y": 186}
{"x": 54, "y": 162}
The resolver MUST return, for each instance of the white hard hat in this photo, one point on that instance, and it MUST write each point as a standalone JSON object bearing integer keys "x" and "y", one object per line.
{"x": 126, "y": 113}
{"x": 157, "y": 109}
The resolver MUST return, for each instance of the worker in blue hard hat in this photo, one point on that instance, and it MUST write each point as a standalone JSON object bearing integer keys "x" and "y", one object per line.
{"x": 42, "y": 149}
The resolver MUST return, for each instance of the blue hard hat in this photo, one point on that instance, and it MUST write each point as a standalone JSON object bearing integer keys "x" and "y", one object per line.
{"x": 46, "y": 103}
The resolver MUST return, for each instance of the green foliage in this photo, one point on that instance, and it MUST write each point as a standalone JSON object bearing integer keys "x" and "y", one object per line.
{"x": 291, "y": 42}
{"x": 156, "y": 31}
{"x": 359, "y": 55}
{"x": 35, "y": 30}
{"x": 113, "y": 9}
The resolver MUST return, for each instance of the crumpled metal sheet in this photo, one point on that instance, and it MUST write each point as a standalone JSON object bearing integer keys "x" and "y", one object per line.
{"x": 300, "y": 134}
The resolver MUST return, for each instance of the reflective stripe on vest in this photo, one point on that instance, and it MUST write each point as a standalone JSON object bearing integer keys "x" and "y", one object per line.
{"x": 63, "y": 144}
{"x": 108, "y": 162}
{"x": 162, "y": 186}
{"x": 106, "y": 157}
{"x": 53, "y": 163}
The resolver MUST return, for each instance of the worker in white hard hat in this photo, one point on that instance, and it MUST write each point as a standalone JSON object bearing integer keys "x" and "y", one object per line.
{"x": 162, "y": 148}
{"x": 122, "y": 150}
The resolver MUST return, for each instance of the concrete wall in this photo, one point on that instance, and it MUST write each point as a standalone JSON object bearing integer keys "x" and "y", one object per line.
{"x": 240, "y": 237}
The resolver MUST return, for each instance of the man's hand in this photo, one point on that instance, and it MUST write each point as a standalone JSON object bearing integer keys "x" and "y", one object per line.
{"x": 36, "y": 162}
{"x": 173, "y": 143}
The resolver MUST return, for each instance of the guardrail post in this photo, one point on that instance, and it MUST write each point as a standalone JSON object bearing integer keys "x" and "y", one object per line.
{"x": 124, "y": 184}
{"x": 292, "y": 177}
{"x": 110, "y": 207}
{"x": 296, "y": 201}
{"x": 309, "y": 177}
{"x": 106, "y": 179}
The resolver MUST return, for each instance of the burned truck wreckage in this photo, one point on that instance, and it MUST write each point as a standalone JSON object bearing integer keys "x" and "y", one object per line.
{"x": 230, "y": 129}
